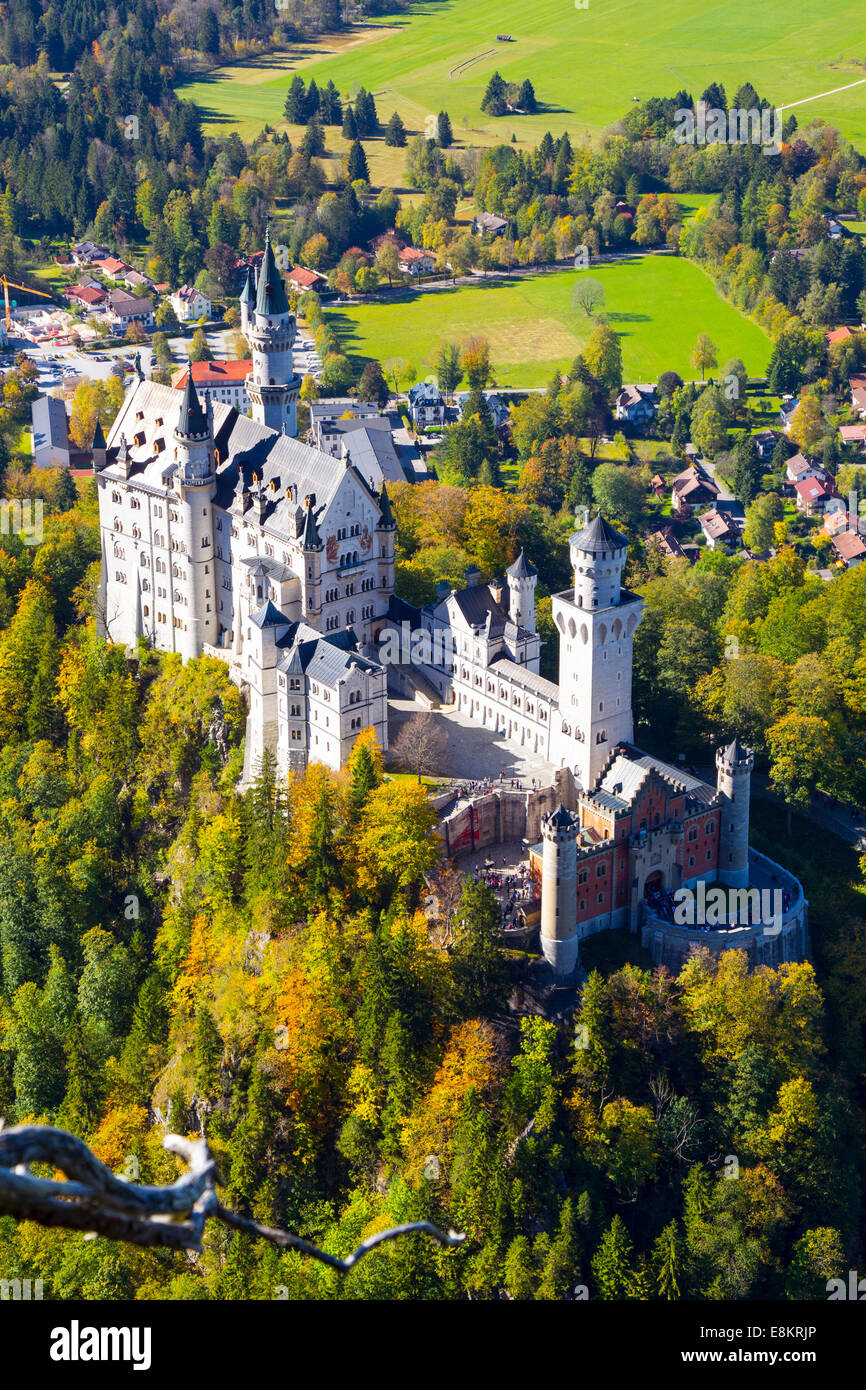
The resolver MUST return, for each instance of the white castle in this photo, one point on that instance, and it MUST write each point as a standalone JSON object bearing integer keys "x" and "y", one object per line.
{"x": 225, "y": 535}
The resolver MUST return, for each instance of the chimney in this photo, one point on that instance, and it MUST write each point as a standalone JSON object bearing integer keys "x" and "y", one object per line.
{"x": 472, "y": 577}
{"x": 497, "y": 590}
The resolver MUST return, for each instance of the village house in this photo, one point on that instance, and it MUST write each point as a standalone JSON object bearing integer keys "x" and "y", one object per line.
{"x": 799, "y": 468}
{"x": 692, "y": 488}
{"x": 668, "y": 544}
{"x": 635, "y": 404}
{"x": 190, "y": 304}
{"x": 489, "y": 223}
{"x": 787, "y": 411}
{"x": 124, "y": 308}
{"x": 415, "y": 262}
{"x": 88, "y": 253}
{"x": 849, "y": 548}
{"x": 426, "y": 405}
{"x": 812, "y": 495}
{"x": 720, "y": 528}
{"x": 302, "y": 279}
{"x": 858, "y": 394}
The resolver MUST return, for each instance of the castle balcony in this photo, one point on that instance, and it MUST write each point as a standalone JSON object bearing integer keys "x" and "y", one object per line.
{"x": 351, "y": 566}
{"x": 768, "y": 920}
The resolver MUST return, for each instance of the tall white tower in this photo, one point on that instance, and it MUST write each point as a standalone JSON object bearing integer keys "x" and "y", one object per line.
{"x": 597, "y": 621}
{"x": 193, "y": 573}
{"x": 272, "y": 385}
{"x": 522, "y": 577}
{"x": 559, "y": 939}
{"x": 734, "y": 776}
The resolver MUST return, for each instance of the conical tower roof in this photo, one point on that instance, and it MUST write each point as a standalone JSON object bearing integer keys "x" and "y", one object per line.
{"x": 387, "y": 517}
{"x": 98, "y": 436}
{"x": 521, "y": 569}
{"x": 599, "y": 535}
{"x": 248, "y": 293}
{"x": 192, "y": 422}
{"x": 271, "y": 292}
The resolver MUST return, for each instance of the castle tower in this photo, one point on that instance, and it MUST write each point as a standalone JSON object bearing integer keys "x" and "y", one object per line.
{"x": 386, "y": 529}
{"x": 247, "y": 300}
{"x": 313, "y": 547}
{"x": 559, "y": 940}
{"x": 522, "y": 577}
{"x": 734, "y": 774}
{"x": 193, "y": 586}
{"x": 597, "y": 621}
{"x": 97, "y": 448}
{"x": 272, "y": 385}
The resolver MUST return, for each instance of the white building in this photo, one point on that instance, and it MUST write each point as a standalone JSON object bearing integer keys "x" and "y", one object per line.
{"x": 190, "y": 304}
{"x": 226, "y": 536}
{"x": 481, "y": 653}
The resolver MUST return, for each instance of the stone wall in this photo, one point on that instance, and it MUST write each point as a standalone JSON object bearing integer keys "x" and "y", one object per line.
{"x": 503, "y": 815}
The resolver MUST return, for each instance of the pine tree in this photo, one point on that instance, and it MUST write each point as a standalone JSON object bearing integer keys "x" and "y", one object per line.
{"x": 526, "y": 100}
{"x": 208, "y": 1052}
{"x": 395, "y": 132}
{"x": 494, "y": 97}
{"x": 667, "y": 1261}
{"x": 350, "y": 125}
{"x": 65, "y": 492}
{"x": 314, "y": 101}
{"x": 356, "y": 164}
{"x": 444, "y": 133}
{"x": 295, "y": 109}
{"x": 330, "y": 106}
{"x": 612, "y": 1263}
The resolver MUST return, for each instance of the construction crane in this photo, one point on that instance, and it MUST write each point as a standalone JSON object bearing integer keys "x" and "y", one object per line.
{"x": 10, "y": 284}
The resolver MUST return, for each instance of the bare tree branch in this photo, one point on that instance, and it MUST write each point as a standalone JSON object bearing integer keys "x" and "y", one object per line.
{"x": 95, "y": 1200}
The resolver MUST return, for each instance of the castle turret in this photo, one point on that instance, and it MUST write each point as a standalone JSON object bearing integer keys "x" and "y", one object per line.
{"x": 386, "y": 529}
{"x": 193, "y": 582}
{"x": 522, "y": 577}
{"x": 97, "y": 448}
{"x": 247, "y": 300}
{"x": 559, "y": 938}
{"x": 272, "y": 386}
{"x": 313, "y": 548}
{"x": 734, "y": 774}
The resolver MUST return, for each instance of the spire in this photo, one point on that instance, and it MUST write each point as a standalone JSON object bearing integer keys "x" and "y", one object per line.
{"x": 271, "y": 293}
{"x": 191, "y": 422}
{"x": 98, "y": 436}
{"x": 311, "y": 540}
{"x": 387, "y": 518}
{"x": 248, "y": 293}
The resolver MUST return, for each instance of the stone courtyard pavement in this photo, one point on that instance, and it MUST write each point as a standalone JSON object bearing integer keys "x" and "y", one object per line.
{"x": 475, "y": 753}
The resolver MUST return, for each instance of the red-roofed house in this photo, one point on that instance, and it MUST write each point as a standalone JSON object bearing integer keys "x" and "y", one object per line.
{"x": 86, "y": 294}
{"x": 813, "y": 495}
{"x": 224, "y": 381}
{"x": 110, "y": 265}
{"x": 304, "y": 279}
{"x": 415, "y": 262}
{"x": 853, "y": 434}
{"x": 838, "y": 335}
{"x": 849, "y": 547}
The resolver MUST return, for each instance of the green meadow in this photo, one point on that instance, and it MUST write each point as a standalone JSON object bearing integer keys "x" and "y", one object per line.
{"x": 586, "y": 64}
{"x": 657, "y": 304}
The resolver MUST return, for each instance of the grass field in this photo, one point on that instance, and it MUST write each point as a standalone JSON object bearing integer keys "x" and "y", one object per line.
{"x": 585, "y": 64}
{"x": 658, "y": 305}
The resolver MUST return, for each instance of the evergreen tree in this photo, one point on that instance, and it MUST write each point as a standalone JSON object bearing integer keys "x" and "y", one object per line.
{"x": 395, "y": 132}
{"x": 350, "y": 124}
{"x": 444, "y": 133}
{"x": 493, "y": 101}
{"x": 65, "y": 492}
{"x": 356, "y": 163}
{"x": 207, "y": 1052}
{"x": 667, "y": 1261}
{"x": 612, "y": 1266}
{"x": 526, "y": 100}
{"x": 330, "y": 106}
{"x": 295, "y": 109}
